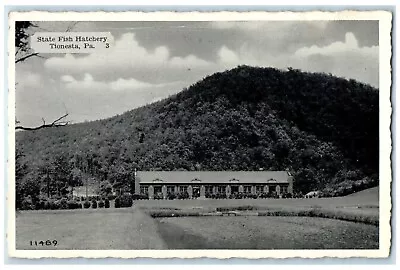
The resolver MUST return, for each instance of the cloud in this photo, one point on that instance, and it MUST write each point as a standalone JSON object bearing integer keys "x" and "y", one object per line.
{"x": 89, "y": 83}
{"x": 30, "y": 80}
{"x": 125, "y": 55}
{"x": 191, "y": 61}
{"x": 265, "y": 25}
{"x": 67, "y": 78}
{"x": 345, "y": 59}
{"x": 227, "y": 56}
{"x": 350, "y": 45}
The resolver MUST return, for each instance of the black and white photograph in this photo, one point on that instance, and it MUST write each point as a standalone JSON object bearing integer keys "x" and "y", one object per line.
{"x": 253, "y": 134}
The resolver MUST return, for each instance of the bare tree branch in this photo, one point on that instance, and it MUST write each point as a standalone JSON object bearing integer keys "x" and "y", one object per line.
{"x": 17, "y": 51}
{"x": 23, "y": 58}
{"x": 55, "y": 123}
{"x": 21, "y": 37}
{"x": 71, "y": 26}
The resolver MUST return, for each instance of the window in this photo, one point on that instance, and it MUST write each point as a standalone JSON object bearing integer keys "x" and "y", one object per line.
{"x": 221, "y": 189}
{"x": 234, "y": 189}
{"x": 247, "y": 189}
{"x": 259, "y": 189}
{"x": 157, "y": 180}
{"x": 157, "y": 189}
{"x": 284, "y": 189}
{"x": 144, "y": 189}
{"x": 209, "y": 189}
{"x": 272, "y": 188}
{"x": 196, "y": 180}
{"x": 183, "y": 189}
{"x": 170, "y": 189}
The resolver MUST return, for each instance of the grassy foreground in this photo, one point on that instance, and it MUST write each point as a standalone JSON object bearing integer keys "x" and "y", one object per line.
{"x": 254, "y": 232}
{"x": 295, "y": 225}
{"x": 100, "y": 229}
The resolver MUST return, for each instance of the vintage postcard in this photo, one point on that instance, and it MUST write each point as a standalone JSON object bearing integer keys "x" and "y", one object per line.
{"x": 185, "y": 135}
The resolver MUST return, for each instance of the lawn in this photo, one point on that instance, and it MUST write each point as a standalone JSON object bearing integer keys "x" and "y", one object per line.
{"x": 281, "y": 223}
{"x": 253, "y": 232}
{"x": 87, "y": 229}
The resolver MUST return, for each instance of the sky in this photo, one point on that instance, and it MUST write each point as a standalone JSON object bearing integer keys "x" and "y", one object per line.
{"x": 150, "y": 61}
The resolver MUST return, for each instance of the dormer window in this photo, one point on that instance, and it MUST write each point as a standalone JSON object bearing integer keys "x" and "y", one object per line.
{"x": 196, "y": 180}
{"x": 234, "y": 180}
{"x": 157, "y": 180}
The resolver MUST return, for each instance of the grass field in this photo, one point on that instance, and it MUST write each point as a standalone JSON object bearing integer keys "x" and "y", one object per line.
{"x": 253, "y": 232}
{"x": 133, "y": 228}
{"x": 88, "y": 229}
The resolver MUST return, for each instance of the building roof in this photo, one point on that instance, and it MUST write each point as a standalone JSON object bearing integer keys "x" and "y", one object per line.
{"x": 212, "y": 177}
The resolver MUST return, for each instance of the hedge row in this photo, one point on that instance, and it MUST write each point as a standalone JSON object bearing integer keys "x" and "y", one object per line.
{"x": 126, "y": 200}
{"x": 321, "y": 213}
{"x": 28, "y": 204}
{"x": 97, "y": 198}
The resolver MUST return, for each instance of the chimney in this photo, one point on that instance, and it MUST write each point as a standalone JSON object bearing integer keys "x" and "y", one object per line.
{"x": 136, "y": 182}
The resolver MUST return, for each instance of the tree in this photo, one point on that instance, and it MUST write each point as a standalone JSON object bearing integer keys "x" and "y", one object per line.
{"x": 24, "y": 52}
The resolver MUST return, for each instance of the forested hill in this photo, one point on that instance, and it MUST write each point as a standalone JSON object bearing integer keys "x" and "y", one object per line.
{"x": 322, "y": 128}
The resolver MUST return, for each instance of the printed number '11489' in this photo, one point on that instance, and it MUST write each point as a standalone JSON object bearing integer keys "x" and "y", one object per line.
{"x": 44, "y": 243}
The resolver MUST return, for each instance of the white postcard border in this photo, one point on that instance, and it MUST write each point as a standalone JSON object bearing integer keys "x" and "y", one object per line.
{"x": 385, "y": 172}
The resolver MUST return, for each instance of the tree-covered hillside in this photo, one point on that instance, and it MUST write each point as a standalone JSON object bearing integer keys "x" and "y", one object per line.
{"x": 322, "y": 128}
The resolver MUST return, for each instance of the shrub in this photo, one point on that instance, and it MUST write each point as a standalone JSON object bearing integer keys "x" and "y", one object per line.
{"x": 101, "y": 204}
{"x": 141, "y": 196}
{"x": 51, "y": 204}
{"x": 239, "y": 195}
{"x": 287, "y": 195}
{"x": 183, "y": 195}
{"x": 86, "y": 204}
{"x": 94, "y": 203}
{"x": 126, "y": 200}
{"x": 27, "y": 204}
{"x": 47, "y": 205}
{"x": 171, "y": 196}
{"x": 106, "y": 203}
{"x": 263, "y": 195}
{"x": 111, "y": 197}
{"x": 158, "y": 196}
{"x": 40, "y": 205}
{"x": 117, "y": 202}
{"x": 63, "y": 203}
{"x": 56, "y": 205}
{"x": 220, "y": 196}
{"x": 73, "y": 204}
